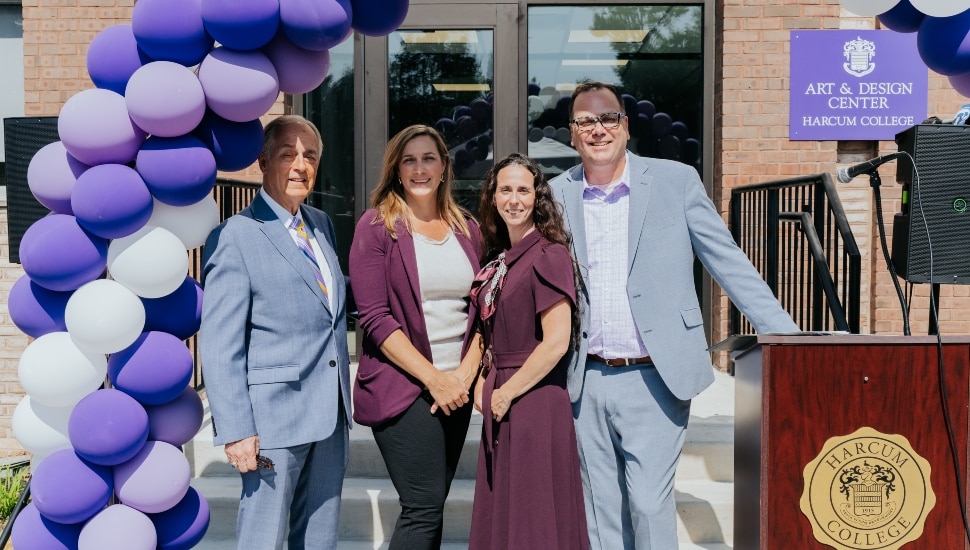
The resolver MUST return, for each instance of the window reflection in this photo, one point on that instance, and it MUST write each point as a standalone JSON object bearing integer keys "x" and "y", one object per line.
{"x": 652, "y": 53}
{"x": 444, "y": 78}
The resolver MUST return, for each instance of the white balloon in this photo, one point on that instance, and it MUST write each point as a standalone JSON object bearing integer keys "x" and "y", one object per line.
{"x": 870, "y": 7}
{"x": 103, "y": 316}
{"x": 40, "y": 428}
{"x": 941, "y": 8}
{"x": 56, "y": 372}
{"x": 151, "y": 262}
{"x": 191, "y": 224}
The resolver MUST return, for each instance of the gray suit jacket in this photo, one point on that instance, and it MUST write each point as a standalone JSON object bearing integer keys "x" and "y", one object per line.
{"x": 274, "y": 355}
{"x": 671, "y": 221}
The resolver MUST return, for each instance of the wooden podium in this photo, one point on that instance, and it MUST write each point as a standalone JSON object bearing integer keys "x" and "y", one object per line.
{"x": 793, "y": 393}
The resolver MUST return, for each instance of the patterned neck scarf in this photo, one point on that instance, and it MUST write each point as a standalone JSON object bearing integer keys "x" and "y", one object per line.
{"x": 492, "y": 276}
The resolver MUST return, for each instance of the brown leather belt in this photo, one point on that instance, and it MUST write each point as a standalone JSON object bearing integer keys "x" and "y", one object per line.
{"x": 620, "y": 362}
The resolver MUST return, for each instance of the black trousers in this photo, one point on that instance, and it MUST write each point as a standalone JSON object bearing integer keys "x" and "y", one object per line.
{"x": 421, "y": 452}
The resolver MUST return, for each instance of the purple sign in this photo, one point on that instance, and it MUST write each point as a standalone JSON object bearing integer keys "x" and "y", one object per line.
{"x": 855, "y": 85}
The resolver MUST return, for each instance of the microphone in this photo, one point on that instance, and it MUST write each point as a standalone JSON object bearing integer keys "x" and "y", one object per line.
{"x": 846, "y": 173}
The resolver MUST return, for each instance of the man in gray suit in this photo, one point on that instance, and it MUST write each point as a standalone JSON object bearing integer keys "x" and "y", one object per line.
{"x": 274, "y": 350}
{"x": 637, "y": 224}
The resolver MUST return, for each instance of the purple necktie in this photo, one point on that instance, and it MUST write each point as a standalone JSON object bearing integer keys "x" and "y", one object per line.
{"x": 304, "y": 245}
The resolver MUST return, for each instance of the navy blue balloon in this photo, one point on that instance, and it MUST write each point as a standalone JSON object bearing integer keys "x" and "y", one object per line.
{"x": 316, "y": 24}
{"x": 178, "y": 171}
{"x": 171, "y": 30}
{"x": 113, "y": 57}
{"x": 235, "y": 145}
{"x": 36, "y": 310}
{"x": 660, "y": 124}
{"x": 182, "y": 526}
{"x": 533, "y": 88}
{"x": 646, "y": 107}
{"x": 178, "y": 313}
{"x": 32, "y": 531}
{"x": 903, "y": 17}
{"x": 679, "y": 129}
{"x": 378, "y": 17}
{"x": 241, "y": 25}
{"x": 944, "y": 43}
{"x": 629, "y": 104}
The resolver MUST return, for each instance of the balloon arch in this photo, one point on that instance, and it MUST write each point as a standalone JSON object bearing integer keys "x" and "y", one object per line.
{"x": 942, "y": 27}
{"x": 178, "y": 95}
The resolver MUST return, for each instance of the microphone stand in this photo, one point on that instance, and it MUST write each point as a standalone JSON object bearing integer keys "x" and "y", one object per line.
{"x": 876, "y": 182}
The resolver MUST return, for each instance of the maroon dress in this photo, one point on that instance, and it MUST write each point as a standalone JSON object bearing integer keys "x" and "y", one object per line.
{"x": 528, "y": 493}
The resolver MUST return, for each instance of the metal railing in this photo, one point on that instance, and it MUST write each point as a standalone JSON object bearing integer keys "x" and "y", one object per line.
{"x": 796, "y": 234}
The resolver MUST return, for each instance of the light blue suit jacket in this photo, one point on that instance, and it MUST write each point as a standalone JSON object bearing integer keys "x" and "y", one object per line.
{"x": 274, "y": 354}
{"x": 671, "y": 220}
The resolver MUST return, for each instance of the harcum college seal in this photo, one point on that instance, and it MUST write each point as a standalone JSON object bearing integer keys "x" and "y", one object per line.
{"x": 866, "y": 491}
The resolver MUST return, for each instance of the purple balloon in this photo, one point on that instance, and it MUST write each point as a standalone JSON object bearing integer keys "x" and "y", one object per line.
{"x": 178, "y": 313}
{"x": 235, "y": 145}
{"x": 299, "y": 70}
{"x": 646, "y": 107}
{"x": 95, "y": 128}
{"x": 32, "y": 531}
{"x": 165, "y": 99}
{"x": 241, "y": 25}
{"x": 36, "y": 310}
{"x": 944, "y": 43}
{"x": 630, "y": 104}
{"x": 660, "y": 124}
{"x": 58, "y": 254}
{"x": 113, "y": 57}
{"x": 51, "y": 175}
{"x": 154, "y": 480}
{"x": 108, "y": 427}
{"x": 378, "y": 17}
{"x": 961, "y": 83}
{"x": 182, "y": 526}
{"x": 178, "y": 171}
{"x": 111, "y": 201}
{"x": 66, "y": 489}
{"x": 177, "y": 421}
{"x": 118, "y": 527}
{"x": 239, "y": 86}
{"x": 316, "y": 24}
{"x": 903, "y": 17}
{"x": 154, "y": 369}
{"x": 171, "y": 30}
{"x": 679, "y": 129}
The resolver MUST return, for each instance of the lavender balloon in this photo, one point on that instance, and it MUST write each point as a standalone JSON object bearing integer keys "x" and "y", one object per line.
{"x": 154, "y": 480}
{"x": 165, "y": 99}
{"x": 178, "y": 171}
{"x": 177, "y": 421}
{"x": 58, "y": 254}
{"x": 96, "y": 129}
{"x": 154, "y": 370}
{"x": 36, "y": 310}
{"x": 118, "y": 527}
{"x": 241, "y": 25}
{"x": 316, "y": 24}
{"x": 113, "y": 56}
{"x": 178, "y": 313}
{"x": 51, "y": 175}
{"x": 235, "y": 145}
{"x": 182, "y": 526}
{"x": 299, "y": 70}
{"x": 32, "y": 531}
{"x": 108, "y": 427}
{"x": 171, "y": 30}
{"x": 66, "y": 489}
{"x": 378, "y": 17}
{"x": 239, "y": 86}
{"x": 111, "y": 201}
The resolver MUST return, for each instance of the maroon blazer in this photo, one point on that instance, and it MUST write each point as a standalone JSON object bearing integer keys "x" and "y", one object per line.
{"x": 384, "y": 277}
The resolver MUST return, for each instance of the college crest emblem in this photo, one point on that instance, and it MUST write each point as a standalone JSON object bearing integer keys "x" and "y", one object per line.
{"x": 858, "y": 56}
{"x": 867, "y": 491}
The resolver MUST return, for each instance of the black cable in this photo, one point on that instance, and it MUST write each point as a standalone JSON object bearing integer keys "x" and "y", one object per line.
{"x": 875, "y": 182}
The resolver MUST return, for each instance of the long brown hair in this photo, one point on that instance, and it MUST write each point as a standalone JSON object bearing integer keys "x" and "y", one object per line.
{"x": 545, "y": 213}
{"x": 388, "y": 199}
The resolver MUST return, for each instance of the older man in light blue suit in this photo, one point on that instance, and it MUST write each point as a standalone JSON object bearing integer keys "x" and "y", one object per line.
{"x": 274, "y": 350}
{"x": 637, "y": 225}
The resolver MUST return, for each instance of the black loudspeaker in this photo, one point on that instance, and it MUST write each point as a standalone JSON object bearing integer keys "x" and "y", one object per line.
{"x": 22, "y": 137}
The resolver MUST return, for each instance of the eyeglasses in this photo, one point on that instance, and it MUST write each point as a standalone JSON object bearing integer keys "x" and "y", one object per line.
{"x": 608, "y": 120}
{"x": 263, "y": 462}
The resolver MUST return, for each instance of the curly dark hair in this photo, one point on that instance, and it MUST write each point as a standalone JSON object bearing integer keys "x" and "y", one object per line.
{"x": 545, "y": 214}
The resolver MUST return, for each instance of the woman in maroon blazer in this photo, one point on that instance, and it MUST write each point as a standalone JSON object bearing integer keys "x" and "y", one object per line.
{"x": 414, "y": 255}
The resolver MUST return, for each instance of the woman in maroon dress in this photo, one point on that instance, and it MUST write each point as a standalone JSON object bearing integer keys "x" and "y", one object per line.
{"x": 528, "y": 492}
